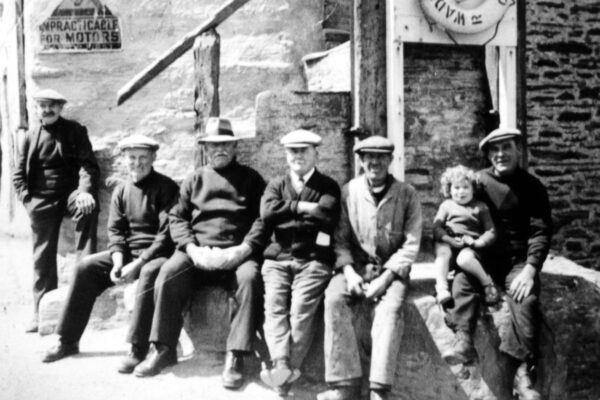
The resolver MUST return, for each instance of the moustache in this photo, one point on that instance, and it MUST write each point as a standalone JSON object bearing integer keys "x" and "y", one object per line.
{"x": 48, "y": 114}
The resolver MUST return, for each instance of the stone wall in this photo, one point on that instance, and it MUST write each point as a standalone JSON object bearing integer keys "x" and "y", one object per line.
{"x": 262, "y": 45}
{"x": 563, "y": 89}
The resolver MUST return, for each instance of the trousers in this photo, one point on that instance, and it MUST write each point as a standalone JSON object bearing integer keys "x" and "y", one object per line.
{"x": 520, "y": 340}
{"x": 46, "y": 216}
{"x": 293, "y": 292}
{"x": 91, "y": 278}
{"x": 175, "y": 284}
{"x": 345, "y": 343}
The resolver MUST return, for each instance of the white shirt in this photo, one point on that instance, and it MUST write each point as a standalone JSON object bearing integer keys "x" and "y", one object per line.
{"x": 299, "y": 184}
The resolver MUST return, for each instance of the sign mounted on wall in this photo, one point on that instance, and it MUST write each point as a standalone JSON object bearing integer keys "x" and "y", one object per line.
{"x": 80, "y": 25}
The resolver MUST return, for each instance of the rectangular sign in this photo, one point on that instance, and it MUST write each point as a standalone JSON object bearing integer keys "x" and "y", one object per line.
{"x": 80, "y": 26}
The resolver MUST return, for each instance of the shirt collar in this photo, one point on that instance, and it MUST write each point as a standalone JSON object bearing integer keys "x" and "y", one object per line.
{"x": 296, "y": 178}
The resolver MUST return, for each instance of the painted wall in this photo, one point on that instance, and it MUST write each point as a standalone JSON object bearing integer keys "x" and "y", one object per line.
{"x": 261, "y": 49}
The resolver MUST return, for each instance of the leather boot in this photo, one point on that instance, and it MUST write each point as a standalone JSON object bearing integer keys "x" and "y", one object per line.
{"x": 522, "y": 386}
{"x": 163, "y": 356}
{"x": 60, "y": 351}
{"x": 340, "y": 393}
{"x": 462, "y": 352}
{"x": 233, "y": 372}
{"x": 136, "y": 355}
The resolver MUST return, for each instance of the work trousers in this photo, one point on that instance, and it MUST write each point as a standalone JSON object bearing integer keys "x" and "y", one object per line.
{"x": 175, "y": 284}
{"x": 45, "y": 215}
{"x": 345, "y": 342}
{"x": 91, "y": 278}
{"x": 520, "y": 341}
{"x": 293, "y": 292}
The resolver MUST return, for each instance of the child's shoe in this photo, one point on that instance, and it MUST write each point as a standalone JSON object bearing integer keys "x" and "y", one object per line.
{"x": 491, "y": 294}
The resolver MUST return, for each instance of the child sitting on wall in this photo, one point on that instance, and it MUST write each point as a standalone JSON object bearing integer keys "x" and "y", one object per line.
{"x": 462, "y": 229}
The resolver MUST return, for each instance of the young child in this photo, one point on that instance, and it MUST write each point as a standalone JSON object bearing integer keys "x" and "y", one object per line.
{"x": 462, "y": 227}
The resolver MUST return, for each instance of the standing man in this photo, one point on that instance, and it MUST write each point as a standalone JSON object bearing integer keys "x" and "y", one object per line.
{"x": 376, "y": 242}
{"x": 520, "y": 209}
{"x": 218, "y": 238}
{"x": 56, "y": 173}
{"x": 301, "y": 208}
{"x": 138, "y": 244}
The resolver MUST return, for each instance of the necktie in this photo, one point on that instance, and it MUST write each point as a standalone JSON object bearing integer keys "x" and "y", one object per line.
{"x": 300, "y": 184}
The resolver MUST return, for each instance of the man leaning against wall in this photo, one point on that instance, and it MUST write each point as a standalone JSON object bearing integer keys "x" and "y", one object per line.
{"x": 56, "y": 173}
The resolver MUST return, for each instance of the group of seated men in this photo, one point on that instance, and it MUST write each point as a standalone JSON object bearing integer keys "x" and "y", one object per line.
{"x": 279, "y": 248}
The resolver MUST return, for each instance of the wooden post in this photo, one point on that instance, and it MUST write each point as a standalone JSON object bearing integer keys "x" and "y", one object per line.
{"x": 177, "y": 50}
{"x": 395, "y": 90}
{"x": 207, "y": 53}
{"x": 521, "y": 94}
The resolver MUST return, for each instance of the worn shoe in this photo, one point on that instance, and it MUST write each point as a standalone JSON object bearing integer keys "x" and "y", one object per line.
{"x": 522, "y": 385}
{"x": 491, "y": 294}
{"x": 136, "y": 355}
{"x": 280, "y": 374}
{"x": 163, "y": 356}
{"x": 462, "y": 352}
{"x": 33, "y": 325}
{"x": 59, "y": 351}
{"x": 340, "y": 393}
{"x": 233, "y": 372}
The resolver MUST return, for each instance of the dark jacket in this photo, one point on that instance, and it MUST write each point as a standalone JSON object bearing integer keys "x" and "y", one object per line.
{"x": 219, "y": 208}
{"x": 138, "y": 220}
{"x": 521, "y": 212}
{"x": 76, "y": 149}
{"x": 295, "y": 234}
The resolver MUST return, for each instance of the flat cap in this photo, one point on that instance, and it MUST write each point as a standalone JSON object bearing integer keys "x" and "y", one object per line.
{"x": 217, "y": 130}
{"x": 138, "y": 142}
{"x": 300, "y": 138}
{"x": 374, "y": 144}
{"x": 50, "y": 94}
{"x": 499, "y": 134}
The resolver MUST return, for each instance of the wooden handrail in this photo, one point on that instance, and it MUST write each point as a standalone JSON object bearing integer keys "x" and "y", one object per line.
{"x": 176, "y": 51}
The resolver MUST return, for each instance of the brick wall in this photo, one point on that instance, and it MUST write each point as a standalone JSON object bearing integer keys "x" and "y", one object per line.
{"x": 563, "y": 89}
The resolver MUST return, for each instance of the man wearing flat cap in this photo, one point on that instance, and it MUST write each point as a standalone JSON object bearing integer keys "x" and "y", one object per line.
{"x": 376, "y": 241}
{"x": 520, "y": 209}
{"x": 218, "y": 238}
{"x": 301, "y": 209}
{"x": 56, "y": 173}
{"x": 138, "y": 244}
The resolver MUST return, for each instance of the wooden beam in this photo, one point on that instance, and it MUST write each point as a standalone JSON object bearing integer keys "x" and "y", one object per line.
{"x": 522, "y": 78}
{"x": 176, "y": 51}
{"x": 21, "y": 76}
{"x": 395, "y": 89}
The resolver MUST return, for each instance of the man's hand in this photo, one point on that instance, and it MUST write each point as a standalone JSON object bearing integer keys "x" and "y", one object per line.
{"x": 354, "y": 282}
{"x": 379, "y": 285}
{"x": 523, "y": 283}
{"x": 235, "y": 255}
{"x": 198, "y": 254}
{"x": 85, "y": 203}
{"x": 468, "y": 241}
{"x": 307, "y": 207}
{"x": 130, "y": 271}
{"x": 115, "y": 272}
{"x": 454, "y": 242}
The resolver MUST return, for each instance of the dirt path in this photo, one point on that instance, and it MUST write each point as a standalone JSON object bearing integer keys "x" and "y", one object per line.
{"x": 92, "y": 375}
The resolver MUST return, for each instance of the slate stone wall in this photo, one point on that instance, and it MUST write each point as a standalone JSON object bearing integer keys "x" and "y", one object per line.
{"x": 563, "y": 109}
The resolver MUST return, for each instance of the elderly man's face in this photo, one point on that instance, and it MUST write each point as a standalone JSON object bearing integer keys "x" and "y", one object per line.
{"x": 48, "y": 111}
{"x": 301, "y": 159}
{"x": 139, "y": 162}
{"x": 504, "y": 156}
{"x": 376, "y": 167}
{"x": 220, "y": 154}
